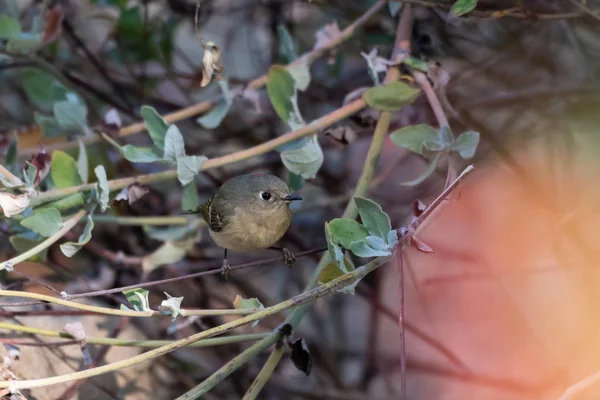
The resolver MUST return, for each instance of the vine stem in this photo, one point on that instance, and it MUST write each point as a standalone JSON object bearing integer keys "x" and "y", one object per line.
{"x": 122, "y": 313}
{"x": 295, "y": 301}
{"x": 132, "y": 343}
{"x": 216, "y": 162}
{"x": 265, "y": 373}
{"x": 255, "y": 84}
{"x": 66, "y": 227}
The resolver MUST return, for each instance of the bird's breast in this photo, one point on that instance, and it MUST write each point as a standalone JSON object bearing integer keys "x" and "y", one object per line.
{"x": 246, "y": 232}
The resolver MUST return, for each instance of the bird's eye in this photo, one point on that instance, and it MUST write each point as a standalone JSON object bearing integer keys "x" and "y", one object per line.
{"x": 265, "y": 195}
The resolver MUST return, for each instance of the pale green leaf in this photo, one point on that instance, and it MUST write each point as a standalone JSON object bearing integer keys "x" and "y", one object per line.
{"x": 138, "y": 298}
{"x": 23, "y": 42}
{"x": 391, "y": 97}
{"x": 9, "y": 27}
{"x": 140, "y": 154}
{"x": 174, "y": 147}
{"x": 70, "y": 115}
{"x": 171, "y": 306}
{"x": 281, "y": 88}
{"x": 29, "y": 175}
{"x": 373, "y": 218}
{"x": 74, "y": 200}
{"x": 44, "y": 222}
{"x": 466, "y": 144}
{"x": 412, "y": 137}
{"x": 247, "y": 304}
{"x": 345, "y": 231}
{"x": 426, "y": 173}
{"x": 49, "y": 125}
{"x": 70, "y": 248}
{"x": 103, "y": 189}
{"x": 334, "y": 250}
{"x": 462, "y": 7}
{"x": 189, "y": 199}
{"x": 156, "y": 125}
{"x": 446, "y": 136}
{"x": 41, "y": 87}
{"x": 82, "y": 161}
{"x": 306, "y": 160}
{"x": 362, "y": 249}
{"x": 301, "y": 74}
{"x": 64, "y": 170}
{"x": 213, "y": 118}
{"x": 176, "y": 232}
{"x": 188, "y": 167}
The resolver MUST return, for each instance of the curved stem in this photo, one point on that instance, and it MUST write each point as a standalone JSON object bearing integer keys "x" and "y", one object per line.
{"x": 265, "y": 373}
{"x": 67, "y": 226}
{"x": 141, "y": 220}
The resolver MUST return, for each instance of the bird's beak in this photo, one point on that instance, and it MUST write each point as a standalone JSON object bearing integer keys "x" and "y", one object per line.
{"x": 292, "y": 197}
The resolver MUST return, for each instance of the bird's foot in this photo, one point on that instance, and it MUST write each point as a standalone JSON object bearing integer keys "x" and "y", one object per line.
{"x": 288, "y": 257}
{"x": 225, "y": 269}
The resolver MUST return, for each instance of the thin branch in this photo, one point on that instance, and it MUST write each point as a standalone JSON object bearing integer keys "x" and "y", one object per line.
{"x": 265, "y": 373}
{"x": 400, "y": 262}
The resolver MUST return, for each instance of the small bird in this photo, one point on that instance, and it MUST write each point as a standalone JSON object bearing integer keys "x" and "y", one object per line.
{"x": 249, "y": 213}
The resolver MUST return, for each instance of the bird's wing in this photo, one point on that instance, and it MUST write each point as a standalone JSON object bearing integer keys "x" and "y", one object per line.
{"x": 211, "y": 216}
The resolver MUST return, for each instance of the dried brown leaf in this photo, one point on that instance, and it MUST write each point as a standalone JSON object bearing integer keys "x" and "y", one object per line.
{"x": 13, "y": 204}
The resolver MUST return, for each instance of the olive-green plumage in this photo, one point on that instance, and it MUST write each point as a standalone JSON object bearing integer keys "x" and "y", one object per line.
{"x": 249, "y": 212}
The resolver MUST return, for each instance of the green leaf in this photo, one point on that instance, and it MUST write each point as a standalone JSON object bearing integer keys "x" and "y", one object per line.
{"x": 213, "y": 118}
{"x": 29, "y": 176}
{"x": 301, "y": 74}
{"x": 174, "y": 146}
{"x": 466, "y": 144}
{"x": 295, "y": 182}
{"x": 391, "y": 97}
{"x": 64, "y": 170}
{"x": 138, "y": 298}
{"x": 70, "y": 248}
{"x": 281, "y": 87}
{"x": 362, "y": 249}
{"x": 140, "y": 154}
{"x": 333, "y": 249}
{"x": 188, "y": 167}
{"x": 446, "y": 136}
{"x": 287, "y": 47}
{"x": 49, "y": 125}
{"x": 104, "y": 192}
{"x": 41, "y": 87}
{"x": 462, "y": 7}
{"x": 416, "y": 63}
{"x": 412, "y": 137}
{"x": 156, "y": 125}
{"x": 345, "y": 231}
{"x": 9, "y": 27}
{"x": 306, "y": 160}
{"x": 247, "y": 304}
{"x": 26, "y": 241}
{"x": 189, "y": 199}
{"x": 23, "y": 42}
{"x": 176, "y": 232}
{"x": 44, "y": 222}
{"x": 425, "y": 174}
{"x": 74, "y": 200}
{"x": 394, "y": 7}
{"x": 373, "y": 218}
{"x": 171, "y": 306}
{"x": 71, "y": 115}
{"x": 82, "y": 162}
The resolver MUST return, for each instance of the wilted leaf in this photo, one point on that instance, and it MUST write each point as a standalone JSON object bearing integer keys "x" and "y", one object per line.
{"x": 64, "y": 170}
{"x": 300, "y": 356}
{"x": 211, "y": 63}
{"x": 420, "y": 245}
{"x": 373, "y": 218}
{"x": 76, "y": 330}
{"x": 13, "y": 204}
{"x": 281, "y": 88}
{"x": 426, "y": 173}
{"x": 345, "y": 231}
{"x": 462, "y": 7}
{"x": 304, "y": 161}
{"x": 376, "y": 65}
{"x": 171, "y": 306}
{"x": 466, "y": 144}
{"x": 132, "y": 193}
{"x": 391, "y": 97}
{"x": 189, "y": 198}
{"x": 412, "y": 137}
{"x": 156, "y": 125}
{"x": 103, "y": 189}
{"x": 9, "y": 27}
{"x": 53, "y": 24}
{"x": 140, "y": 154}
{"x": 138, "y": 298}
{"x": 438, "y": 75}
{"x": 70, "y": 248}
{"x": 82, "y": 162}
{"x": 362, "y": 249}
{"x": 247, "y": 304}
{"x": 44, "y": 222}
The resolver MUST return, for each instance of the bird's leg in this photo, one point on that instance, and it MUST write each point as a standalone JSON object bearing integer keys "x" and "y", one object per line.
{"x": 288, "y": 257}
{"x": 225, "y": 268}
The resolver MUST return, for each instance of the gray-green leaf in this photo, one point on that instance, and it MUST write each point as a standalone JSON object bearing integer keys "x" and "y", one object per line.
{"x": 466, "y": 144}
{"x": 362, "y": 249}
{"x": 138, "y": 298}
{"x": 156, "y": 125}
{"x": 174, "y": 146}
{"x": 391, "y": 97}
{"x": 70, "y": 115}
{"x": 171, "y": 306}
{"x": 82, "y": 162}
{"x": 213, "y": 118}
{"x": 140, "y": 154}
{"x": 70, "y": 248}
{"x": 189, "y": 198}
{"x": 44, "y": 222}
{"x": 304, "y": 161}
{"x": 103, "y": 196}
{"x": 373, "y": 218}
{"x": 188, "y": 167}
{"x": 412, "y": 137}
{"x": 425, "y": 174}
